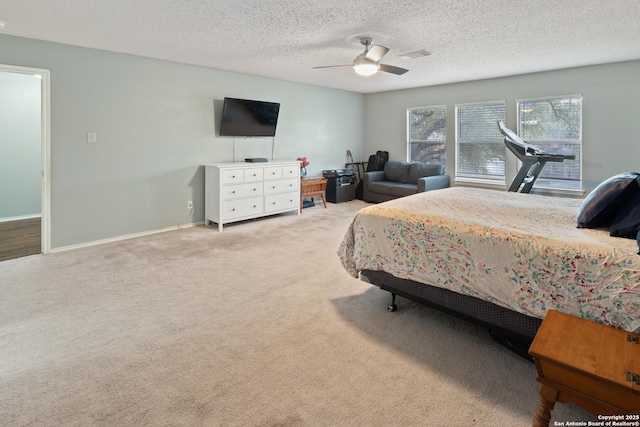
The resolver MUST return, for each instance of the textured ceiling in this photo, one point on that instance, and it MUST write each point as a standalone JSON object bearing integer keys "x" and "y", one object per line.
{"x": 284, "y": 39}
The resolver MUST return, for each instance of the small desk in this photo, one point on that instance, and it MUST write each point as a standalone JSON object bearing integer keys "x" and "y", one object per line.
{"x": 594, "y": 366}
{"x": 312, "y": 187}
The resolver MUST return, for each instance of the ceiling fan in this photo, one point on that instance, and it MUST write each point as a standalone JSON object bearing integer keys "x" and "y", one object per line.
{"x": 368, "y": 62}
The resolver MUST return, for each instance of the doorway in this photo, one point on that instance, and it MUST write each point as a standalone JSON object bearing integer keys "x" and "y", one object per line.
{"x": 24, "y": 164}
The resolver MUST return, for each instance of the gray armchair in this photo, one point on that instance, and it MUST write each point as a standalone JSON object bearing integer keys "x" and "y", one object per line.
{"x": 399, "y": 179}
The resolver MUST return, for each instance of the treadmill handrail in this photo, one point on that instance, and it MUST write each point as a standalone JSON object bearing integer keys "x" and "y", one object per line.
{"x": 527, "y": 149}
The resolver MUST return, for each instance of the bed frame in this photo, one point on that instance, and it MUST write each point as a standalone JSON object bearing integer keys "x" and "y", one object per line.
{"x": 509, "y": 328}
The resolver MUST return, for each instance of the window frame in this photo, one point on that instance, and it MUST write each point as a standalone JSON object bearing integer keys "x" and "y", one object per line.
{"x": 542, "y": 183}
{"x": 410, "y": 142}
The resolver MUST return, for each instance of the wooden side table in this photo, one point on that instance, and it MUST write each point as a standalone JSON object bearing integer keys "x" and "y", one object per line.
{"x": 594, "y": 366}
{"x": 312, "y": 187}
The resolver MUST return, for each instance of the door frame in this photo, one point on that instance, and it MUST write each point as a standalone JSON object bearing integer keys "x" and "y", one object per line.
{"x": 45, "y": 150}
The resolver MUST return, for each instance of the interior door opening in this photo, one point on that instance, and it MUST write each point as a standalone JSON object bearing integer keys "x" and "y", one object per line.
{"x": 24, "y": 165}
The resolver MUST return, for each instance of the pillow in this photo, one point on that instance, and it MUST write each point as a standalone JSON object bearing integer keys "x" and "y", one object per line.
{"x": 396, "y": 171}
{"x": 601, "y": 205}
{"x": 627, "y": 221}
{"x": 420, "y": 170}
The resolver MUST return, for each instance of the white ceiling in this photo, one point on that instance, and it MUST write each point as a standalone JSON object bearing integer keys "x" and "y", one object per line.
{"x": 284, "y": 39}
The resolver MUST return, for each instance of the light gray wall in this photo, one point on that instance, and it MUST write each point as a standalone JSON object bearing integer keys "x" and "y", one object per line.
{"x": 20, "y": 145}
{"x": 155, "y": 127}
{"x": 610, "y": 92}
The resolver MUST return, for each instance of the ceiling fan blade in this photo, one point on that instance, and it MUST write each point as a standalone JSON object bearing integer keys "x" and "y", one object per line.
{"x": 376, "y": 52}
{"x": 333, "y": 66}
{"x": 393, "y": 70}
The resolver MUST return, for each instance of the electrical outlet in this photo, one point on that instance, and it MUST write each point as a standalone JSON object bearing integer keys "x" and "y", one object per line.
{"x": 190, "y": 204}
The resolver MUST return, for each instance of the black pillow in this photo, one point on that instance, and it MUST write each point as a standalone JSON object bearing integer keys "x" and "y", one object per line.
{"x": 600, "y": 207}
{"x": 627, "y": 221}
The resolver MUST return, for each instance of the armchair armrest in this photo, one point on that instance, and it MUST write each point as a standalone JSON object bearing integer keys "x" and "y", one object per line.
{"x": 368, "y": 177}
{"x": 373, "y": 176}
{"x": 433, "y": 183}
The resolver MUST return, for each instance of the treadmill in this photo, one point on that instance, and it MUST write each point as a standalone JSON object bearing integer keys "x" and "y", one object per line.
{"x": 533, "y": 159}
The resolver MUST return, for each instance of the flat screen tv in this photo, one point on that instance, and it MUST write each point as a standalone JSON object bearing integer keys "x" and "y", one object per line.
{"x": 244, "y": 117}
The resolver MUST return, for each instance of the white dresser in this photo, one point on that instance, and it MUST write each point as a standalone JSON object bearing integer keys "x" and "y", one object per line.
{"x": 238, "y": 191}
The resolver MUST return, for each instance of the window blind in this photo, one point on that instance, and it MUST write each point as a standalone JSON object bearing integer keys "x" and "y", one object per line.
{"x": 480, "y": 151}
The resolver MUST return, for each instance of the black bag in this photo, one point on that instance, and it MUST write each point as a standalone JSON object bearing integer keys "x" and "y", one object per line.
{"x": 377, "y": 161}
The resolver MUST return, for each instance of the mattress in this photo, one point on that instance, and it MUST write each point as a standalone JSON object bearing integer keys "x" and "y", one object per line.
{"x": 519, "y": 251}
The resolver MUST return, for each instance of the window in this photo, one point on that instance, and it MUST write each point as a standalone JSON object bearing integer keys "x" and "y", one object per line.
{"x": 480, "y": 150}
{"x": 426, "y": 141}
{"x": 554, "y": 125}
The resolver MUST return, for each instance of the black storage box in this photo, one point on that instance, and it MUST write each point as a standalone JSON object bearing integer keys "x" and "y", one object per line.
{"x": 341, "y": 185}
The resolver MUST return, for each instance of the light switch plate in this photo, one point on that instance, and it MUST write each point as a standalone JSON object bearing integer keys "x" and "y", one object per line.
{"x": 92, "y": 138}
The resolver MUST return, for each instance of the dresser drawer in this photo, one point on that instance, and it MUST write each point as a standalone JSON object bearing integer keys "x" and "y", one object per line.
{"x": 242, "y": 190}
{"x": 278, "y": 202}
{"x": 291, "y": 172}
{"x": 232, "y": 176}
{"x": 273, "y": 172}
{"x": 253, "y": 174}
{"x": 283, "y": 186}
{"x": 242, "y": 208}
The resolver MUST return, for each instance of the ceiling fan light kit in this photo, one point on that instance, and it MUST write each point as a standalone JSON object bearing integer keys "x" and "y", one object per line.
{"x": 368, "y": 62}
{"x": 364, "y": 66}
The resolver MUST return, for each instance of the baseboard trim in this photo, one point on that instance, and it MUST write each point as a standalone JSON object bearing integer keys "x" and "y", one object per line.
{"x": 20, "y": 218}
{"x": 125, "y": 237}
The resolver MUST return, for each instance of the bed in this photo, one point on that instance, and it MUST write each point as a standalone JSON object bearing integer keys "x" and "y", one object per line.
{"x": 500, "y": 259}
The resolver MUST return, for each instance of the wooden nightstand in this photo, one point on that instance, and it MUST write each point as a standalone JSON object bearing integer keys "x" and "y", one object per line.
{"x": 594, "y": 366}
{"x": 312, "y": 187}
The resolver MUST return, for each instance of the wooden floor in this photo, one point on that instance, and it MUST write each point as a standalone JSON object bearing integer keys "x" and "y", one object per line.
{"x": 19, "y": 238}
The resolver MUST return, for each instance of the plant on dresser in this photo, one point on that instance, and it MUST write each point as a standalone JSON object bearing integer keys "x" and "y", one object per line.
{"x": 238, "y": 191}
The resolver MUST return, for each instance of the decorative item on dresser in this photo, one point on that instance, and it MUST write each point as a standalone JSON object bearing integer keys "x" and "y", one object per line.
{"x": 238, "y": 191}
{"x": 304, "y": 162}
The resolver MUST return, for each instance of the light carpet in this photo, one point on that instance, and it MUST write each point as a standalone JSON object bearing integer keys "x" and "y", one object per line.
{"x": 256, "y": 326}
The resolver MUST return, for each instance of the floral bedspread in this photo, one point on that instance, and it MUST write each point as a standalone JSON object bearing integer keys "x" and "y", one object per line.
{"x": 520, "y": 251}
